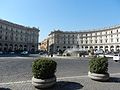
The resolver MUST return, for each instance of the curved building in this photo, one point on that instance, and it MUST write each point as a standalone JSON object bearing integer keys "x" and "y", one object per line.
{"x": 106, "y": 39}
{"x": 14, "y": 37}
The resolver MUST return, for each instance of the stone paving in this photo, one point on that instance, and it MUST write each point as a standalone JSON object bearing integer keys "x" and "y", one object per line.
{"x": 74, "y": 83}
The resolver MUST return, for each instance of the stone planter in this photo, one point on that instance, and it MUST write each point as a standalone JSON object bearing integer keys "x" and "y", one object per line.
{"x": 98, "y": 77}
{"x": 43, "y": 83}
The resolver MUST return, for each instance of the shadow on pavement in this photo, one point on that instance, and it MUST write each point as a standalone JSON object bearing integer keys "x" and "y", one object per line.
{"x": 65, "y": 85}
{"x": 5, "y": 89}
{"x": 114, "y": 79}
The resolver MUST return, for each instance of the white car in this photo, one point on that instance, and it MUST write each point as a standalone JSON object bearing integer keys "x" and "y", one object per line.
{"x": 24, "y": 53}
{"x": 116, "y": 57}
{"x": 1, "y": 52}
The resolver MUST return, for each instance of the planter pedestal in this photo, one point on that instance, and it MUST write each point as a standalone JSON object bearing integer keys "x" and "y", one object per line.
{"x": 43, "y": 83}
{"x": 98, "y": 77}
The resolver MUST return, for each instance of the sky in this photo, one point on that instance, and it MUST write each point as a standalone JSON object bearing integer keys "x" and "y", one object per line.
{"x": 65, "y": 15}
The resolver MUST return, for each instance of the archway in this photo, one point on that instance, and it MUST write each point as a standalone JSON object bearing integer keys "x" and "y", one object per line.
{"x": 15, "y": 47}
{"x": 10, "y": 47}
{"x": 0, "y": 47}
{"x": 20, "y": 47}
{"x": 33, "y": 48}
{"x": 106, "y": 48}
{"x": 6, "y": 47}
{"x": 112, "y": 48}
{"x": 101, "y": 47}
{"x": 96, "y": 48}
{"x": 117, "y": 48}
{"x": 86, "y": 47}
{"x": 25, "y": 47}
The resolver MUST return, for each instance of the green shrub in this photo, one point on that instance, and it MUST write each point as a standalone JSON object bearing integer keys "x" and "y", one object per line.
{"x": 44, "y": 68}
{"x": 98, "y": 65}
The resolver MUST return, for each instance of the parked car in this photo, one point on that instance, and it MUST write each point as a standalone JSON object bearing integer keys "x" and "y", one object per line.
{"x": 24, "y": 53}
{"x": 41, "y": 53}
{"x": 97, "y": 52}
{"x": 1, "y": 52}
{"x": 116, "y": 57}
{"x": 11, "y": 52}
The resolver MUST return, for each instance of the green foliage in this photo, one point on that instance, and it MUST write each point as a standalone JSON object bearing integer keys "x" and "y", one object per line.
{"x": 44, "y": 68}
{"x": 98, "y": 65}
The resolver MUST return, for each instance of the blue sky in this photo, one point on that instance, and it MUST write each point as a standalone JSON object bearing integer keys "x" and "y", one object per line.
{"x": 66, "y": 15}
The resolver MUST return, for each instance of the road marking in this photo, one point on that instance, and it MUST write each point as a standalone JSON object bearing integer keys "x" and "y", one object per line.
{"x": 73, "y": 77}
{"x": 16, "y": 82}
{"x": 84, "y": 76}
{"x": 115, "y": 74}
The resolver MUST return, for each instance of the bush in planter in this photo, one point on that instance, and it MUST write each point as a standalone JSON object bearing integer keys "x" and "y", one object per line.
{"x": 98, "y": 69}
{"x": 44, "y": 68}
{"x": 98, "y": 65}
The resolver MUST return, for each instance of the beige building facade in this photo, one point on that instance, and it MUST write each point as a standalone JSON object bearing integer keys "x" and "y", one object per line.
{"x": 106, "y": 39}
{"x": 44, "y": 45}
{"x": 14, "y": 37}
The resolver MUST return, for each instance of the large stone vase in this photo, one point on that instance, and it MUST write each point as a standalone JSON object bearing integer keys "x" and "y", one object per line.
{"x": 43, "y": 83}
{"x": 99, "y": 77}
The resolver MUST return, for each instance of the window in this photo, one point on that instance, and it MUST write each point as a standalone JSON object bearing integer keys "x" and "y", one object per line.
{"x": 111, "y": 40}
{"x": 117, "y": 40}
{"x": 95, "y": 41}
{"x": 96, "y": 34}
{"x": 0, "y": 37}
{"x": 6, "y": 28}
{"x": 81, "y": 41}
{"x": 73, "y": 42}
{"x": 11, "y": 37}
{"x": 16, "y": 38}
{"x": 5, "y": 37}
{"x": 57, "y": 46}
{"x": 100, "y": 41}
{"x": 12, "y": 34}
{"x": 1, "y": 31}
{"x": 117, "y": 30}
{"x": 111, "y": 31}
{"x": 21, "y": 38}
{"x": 58, "y": 41}
{"x": 106, "y": 41}
{"x": 91, "y": 41}
{"x": 68, "y": 42}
